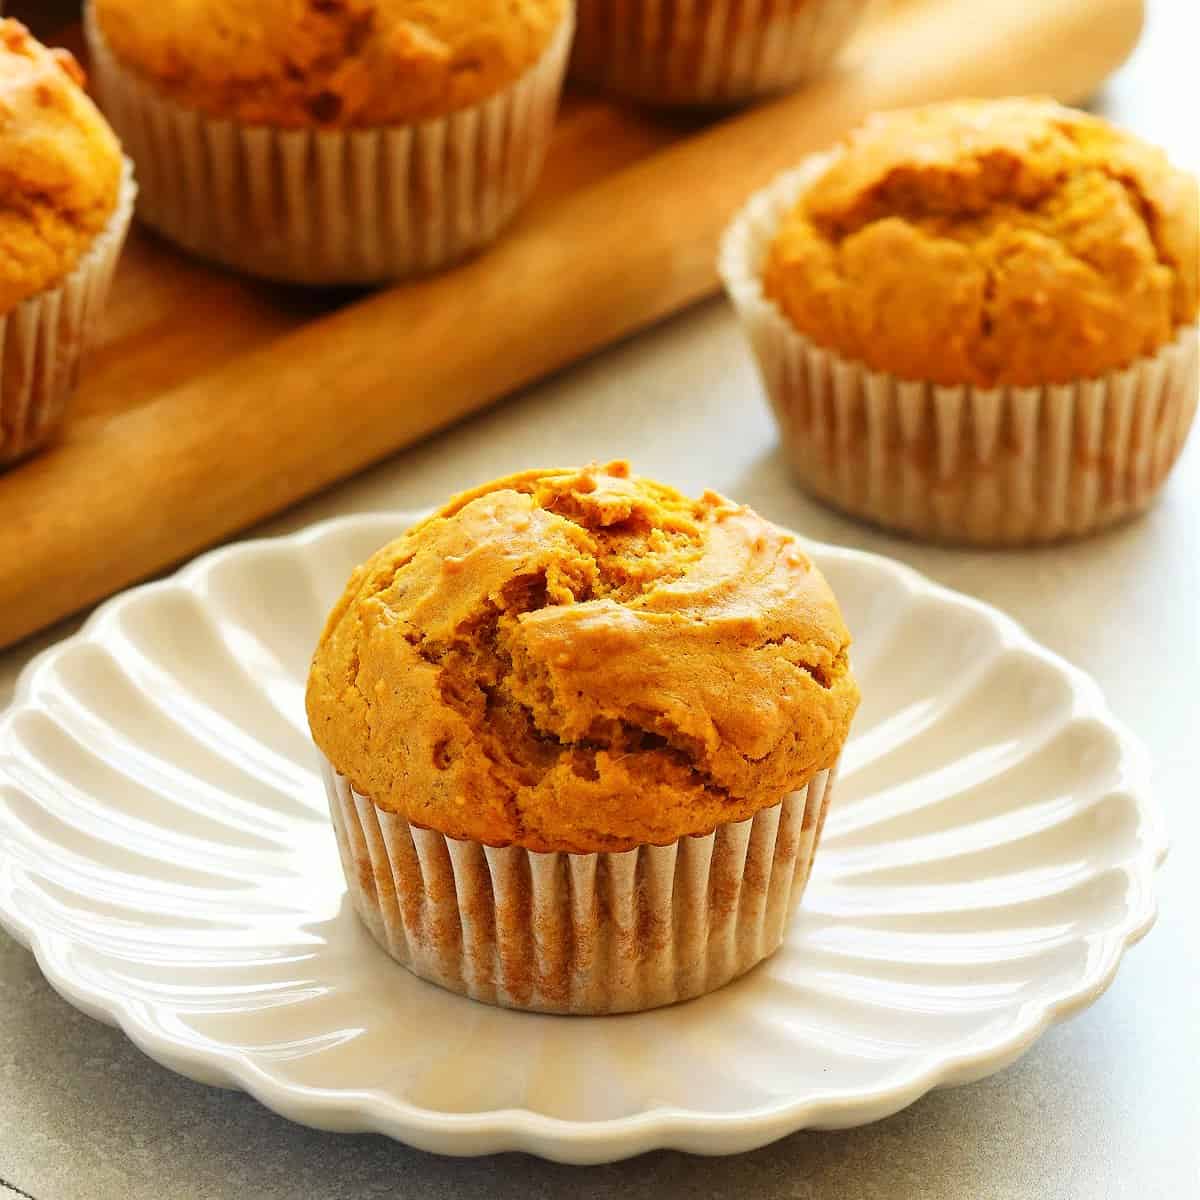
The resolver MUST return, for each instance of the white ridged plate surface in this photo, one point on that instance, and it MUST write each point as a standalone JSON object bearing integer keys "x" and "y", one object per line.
{"x": 166, "y": 852}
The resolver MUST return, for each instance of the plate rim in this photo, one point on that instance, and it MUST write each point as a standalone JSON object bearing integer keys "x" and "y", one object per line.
{"x": 611, "y": 1139}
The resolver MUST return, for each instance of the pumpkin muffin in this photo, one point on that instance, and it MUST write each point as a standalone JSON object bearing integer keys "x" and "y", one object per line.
{"x": 332, "y": 142}
{"x": 65, "y": 200}
{"x": 976, "y": 320}
{"x": 602, "y": 712}
{"x": 333, "y": 64}
{"x": 711, "y": 52}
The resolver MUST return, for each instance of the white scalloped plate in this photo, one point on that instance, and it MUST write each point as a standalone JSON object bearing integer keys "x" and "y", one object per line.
{"x": 165, "y": 851}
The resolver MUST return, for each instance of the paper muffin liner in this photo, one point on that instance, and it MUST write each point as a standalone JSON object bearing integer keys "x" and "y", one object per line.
{"x": 988, "y": 466}
{"x": 43, "y": 340}
{"x": 707, "y": 52}
{"x": 578, "y": 933}
{"x": 328, "y": 207}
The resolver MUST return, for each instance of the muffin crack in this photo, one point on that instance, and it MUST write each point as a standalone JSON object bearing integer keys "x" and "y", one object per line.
{"x": 1140, "y": 203}
{"x": 980, "y": 347}
{"x": 529, "y": 676}
{"x": 822, "y": 675}
{"x": 1139, "y": 199}
{"x": 353, "y": 667}
{"x": 479, "y": 678}
{"x": 623, "y": 736}
{"x": 915, "y": 195}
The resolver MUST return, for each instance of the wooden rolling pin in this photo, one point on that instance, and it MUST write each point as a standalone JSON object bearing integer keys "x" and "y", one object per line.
{"x": 317, "y": 404}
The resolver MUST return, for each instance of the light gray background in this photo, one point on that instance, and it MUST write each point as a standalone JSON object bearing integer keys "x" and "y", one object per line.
{"x": 1106, "y": 1106}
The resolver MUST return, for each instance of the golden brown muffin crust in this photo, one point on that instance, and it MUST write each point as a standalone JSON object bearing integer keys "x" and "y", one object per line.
{"x": 991, "y": 242}
{"x": 60, "y": 166}
{"x": 329, "y": 63}
{"x": 582, "y": 660}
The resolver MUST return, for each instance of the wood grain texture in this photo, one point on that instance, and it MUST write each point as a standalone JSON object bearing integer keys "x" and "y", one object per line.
{"x": 173, "y": 318}
{"x": 214, "y": 402}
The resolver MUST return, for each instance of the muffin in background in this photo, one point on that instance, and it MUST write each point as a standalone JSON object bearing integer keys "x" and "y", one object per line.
{"x": 578, "y": 733}
{"x": 711, "y": 53}
{"x": 976, "y": 321}
{"x": 350, "y": 142}
{"x": 66, "y": 198}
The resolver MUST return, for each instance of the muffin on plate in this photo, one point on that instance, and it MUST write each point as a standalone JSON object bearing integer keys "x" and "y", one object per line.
{"x": 347, "y": 141}
{"x": 976, "y": 321}
{"x": 711, "y": 53}
{"x": 579, "y": 733}
{"x": 66, "y": 196}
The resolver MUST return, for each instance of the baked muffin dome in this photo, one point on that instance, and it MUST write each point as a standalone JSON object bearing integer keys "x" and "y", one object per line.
{"x": 583, "y": 660}
{"x": 1007, "y": 242}
{"x": 60, "y": 166}
{"x": 329, "y": 63}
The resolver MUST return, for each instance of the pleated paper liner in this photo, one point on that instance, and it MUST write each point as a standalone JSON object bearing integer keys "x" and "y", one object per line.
{"x": 578, "y": 933}
{"x": 708, "y": 52}
{"x": 326, "y": 207}
{"x": 986, "y": 466}
{"x": 44, "y": 339}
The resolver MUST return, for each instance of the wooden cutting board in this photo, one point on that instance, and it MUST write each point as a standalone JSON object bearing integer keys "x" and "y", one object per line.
{"x": 213, "y": 401}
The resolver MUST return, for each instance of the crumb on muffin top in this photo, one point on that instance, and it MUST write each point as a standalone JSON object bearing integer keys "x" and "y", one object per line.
{"x": 60, "y": 166}
{"x": 991, "y": 242}
{"x": 583, "y": 660}
{"x": 328, "y": 63}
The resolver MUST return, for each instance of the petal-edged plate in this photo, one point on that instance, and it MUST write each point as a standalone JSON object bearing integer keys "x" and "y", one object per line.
{"x": 166, "y": 853}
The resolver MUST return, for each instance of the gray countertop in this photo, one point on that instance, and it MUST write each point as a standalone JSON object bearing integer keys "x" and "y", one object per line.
{"x": 1107, "y": 1105}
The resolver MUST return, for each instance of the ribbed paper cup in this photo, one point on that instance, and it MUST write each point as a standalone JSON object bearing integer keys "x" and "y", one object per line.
{"x": 329, "y": 207}
{"x": 578, "y": 933}
{"x": 988, "y": 466}
{"x": 708, "y": 52}
{"x": 43, "y": 340}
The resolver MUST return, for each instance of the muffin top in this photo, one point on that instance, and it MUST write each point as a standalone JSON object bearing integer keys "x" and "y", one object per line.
{"x": 991, "y": 242}
{"x": 583, "y": 660}
{"x": 330, "y": 63}
{"x": 60, "y": 166}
